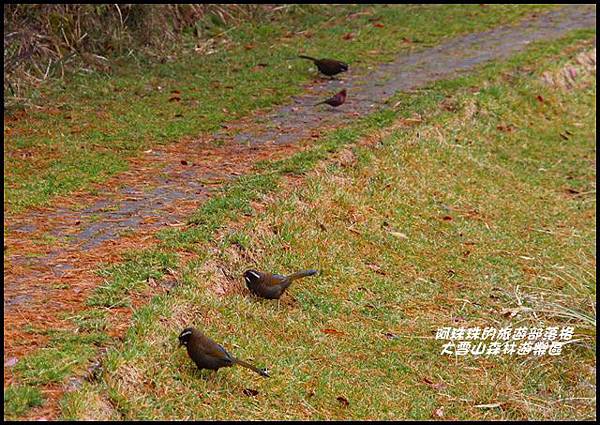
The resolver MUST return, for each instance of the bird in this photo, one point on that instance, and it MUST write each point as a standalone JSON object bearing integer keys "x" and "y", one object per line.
{"x": 336, "y": 100}
{"x": 272, "y": 286}
{"x": 207, "y": 354}
{"x": 329, "y": 67}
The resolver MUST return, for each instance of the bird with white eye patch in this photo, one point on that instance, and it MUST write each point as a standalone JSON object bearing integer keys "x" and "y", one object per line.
{"x": 272, "y": 286}
{"x": 207, "y": 354}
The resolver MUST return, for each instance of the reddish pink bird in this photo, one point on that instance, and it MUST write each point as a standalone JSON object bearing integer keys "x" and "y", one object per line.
{"x": 336, "y": 100}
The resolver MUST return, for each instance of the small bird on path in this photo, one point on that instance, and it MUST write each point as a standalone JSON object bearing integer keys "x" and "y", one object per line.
{"x": 336, "y": 100}
{"x": 329, "y": 67}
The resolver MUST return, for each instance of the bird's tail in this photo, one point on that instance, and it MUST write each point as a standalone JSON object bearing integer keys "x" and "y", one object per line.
{"x": 301, "y": 274}
{"x": 261, "y": 372}
{"x": 307, "y": 57}
{"x": 320, "y": 103}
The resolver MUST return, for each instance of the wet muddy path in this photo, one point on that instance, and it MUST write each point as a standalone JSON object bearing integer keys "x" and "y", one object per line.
{"x": 164, "y": 186}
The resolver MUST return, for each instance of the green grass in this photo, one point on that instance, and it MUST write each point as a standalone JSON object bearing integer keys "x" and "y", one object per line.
{"x": 90, "y": 321}
{"x": 95, "y": 123}
{"x": 135, "y": 272}
{"x": 435, "y": 225}
{"x": 65, "y": 354}
{"x": 19, "y": 399}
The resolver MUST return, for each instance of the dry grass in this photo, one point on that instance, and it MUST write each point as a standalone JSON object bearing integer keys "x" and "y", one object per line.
{"x": 47, "y": 41}
{"x": 573, "y": 74}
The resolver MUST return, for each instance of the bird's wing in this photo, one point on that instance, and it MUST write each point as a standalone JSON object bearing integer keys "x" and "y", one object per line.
{"x": 216, "y": 350}
{"x": 222, "y": 350}
{"x": 277, "y": 279}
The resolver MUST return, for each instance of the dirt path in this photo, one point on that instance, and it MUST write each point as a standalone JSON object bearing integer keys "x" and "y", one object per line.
{"x": 166, "y": 185}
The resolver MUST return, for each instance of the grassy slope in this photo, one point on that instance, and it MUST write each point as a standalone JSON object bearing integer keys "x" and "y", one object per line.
{"x": 485, "y": 215}
{"x": 90, "y": 125}
{"x": 65, "y": 352}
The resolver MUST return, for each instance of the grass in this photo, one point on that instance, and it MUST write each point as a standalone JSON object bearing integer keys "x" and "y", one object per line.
{"x": 125, "y": 278}
{"x": 19, "y": 399}
{"x": 65, "y": 354}
{"x": 376, "y": 291}
{"x": 430, "y": 226}
{"x": 97, "y": 122}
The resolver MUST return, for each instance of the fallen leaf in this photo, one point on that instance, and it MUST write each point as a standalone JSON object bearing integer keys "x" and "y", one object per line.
{"x": 343, "y": 400}
{"x": 390, "y": 335}
{"x": 250, "y": 392}
{"x": 506, "y": 128}
{"x": 435, "y": 386}
{"x": 249, "y": 46}
{"x": 378, "y": 25}
{"x": 184, "y": 162}
{"x": 376, "y": 269}
{"x": 439, "y": 412}
{"x": 572, "y": 191}
{"x": 175, "y": 98}
{"x": 540, "y": 98}
{"x": 256, "y": 68}
{"x": 411, "y": 121}
{"x": 330, "y": 331}
{"x": 447, "y": 218}
{"x": 399, "y": 235}
{"x": 348, "y": 36}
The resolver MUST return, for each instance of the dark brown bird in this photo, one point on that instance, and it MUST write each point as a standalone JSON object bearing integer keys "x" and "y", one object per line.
{"x": 336, "y": 100}
{"x": 272, "y": 286}
{"x": 207, "y": 354}
{"x": 329, "y": 67}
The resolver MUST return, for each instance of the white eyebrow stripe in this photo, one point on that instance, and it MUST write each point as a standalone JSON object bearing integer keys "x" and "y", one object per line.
{"x": 255, "y": 275}
{"x": 185, "y": 333}
{"x": 247, "y": 279}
